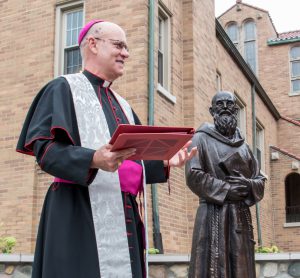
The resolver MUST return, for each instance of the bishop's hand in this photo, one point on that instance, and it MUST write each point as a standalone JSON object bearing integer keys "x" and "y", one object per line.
{"x": 109, "y": 161}
{"x": 182, "y": 156}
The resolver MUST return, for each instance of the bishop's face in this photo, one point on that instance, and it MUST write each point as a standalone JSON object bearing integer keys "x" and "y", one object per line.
{"x": 224, "y": 112}
{"x": 112, "y": 53}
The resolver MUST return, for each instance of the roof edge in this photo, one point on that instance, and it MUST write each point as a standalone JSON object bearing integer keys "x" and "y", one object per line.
{"x": 285, "y": 152}
{"x": 290, "y": 120}
{"x": 283, "y": 41}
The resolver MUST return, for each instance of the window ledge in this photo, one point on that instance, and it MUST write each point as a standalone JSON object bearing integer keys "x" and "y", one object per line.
{"x": 161, "y": 258}
{"x": 166, "y": 93}
{"x": 264, "y": 174}
{"x": 291, "y": 224}
{"x": 294, "y": 94}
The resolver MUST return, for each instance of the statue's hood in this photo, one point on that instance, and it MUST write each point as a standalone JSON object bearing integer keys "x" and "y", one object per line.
{"x": 210, "y": 129}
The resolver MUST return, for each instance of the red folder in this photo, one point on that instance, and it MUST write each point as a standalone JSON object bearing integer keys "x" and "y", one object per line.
{"x": 151, "y": 142}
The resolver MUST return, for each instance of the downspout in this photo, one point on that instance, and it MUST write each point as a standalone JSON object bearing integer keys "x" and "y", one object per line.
{"x": 257, "y": 207}
{"x": 157, "y": 238}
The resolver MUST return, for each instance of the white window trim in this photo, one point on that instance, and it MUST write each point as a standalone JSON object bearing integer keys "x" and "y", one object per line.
{"x": 166, "y": 14}
{"x": 263, "y": 161}
{"x": 58, "y": 52}
{"x": 237, "y": 42}
{"x": 241, "y": 104}
{"x": 255, "y": 40}
{"x": 292, "y": 93}
{"x": 166, "y": 93}
{"x": 291, "y": 224}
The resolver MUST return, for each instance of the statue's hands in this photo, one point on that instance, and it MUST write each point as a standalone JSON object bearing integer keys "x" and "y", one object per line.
{"x": 239, "y": 187}
{"x": 109, "y": 161}
{"x": 238, "y": 179}
{"x": 182, "y": 156}
{"x": 237, "y": 192}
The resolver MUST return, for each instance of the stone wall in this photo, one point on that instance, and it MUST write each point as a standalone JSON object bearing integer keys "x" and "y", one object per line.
{"x": 280, "y": 265}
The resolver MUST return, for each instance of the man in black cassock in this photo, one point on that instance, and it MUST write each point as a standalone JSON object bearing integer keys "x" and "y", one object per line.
{"x": 90, "y": 225}
{"x": 226, "y": 178}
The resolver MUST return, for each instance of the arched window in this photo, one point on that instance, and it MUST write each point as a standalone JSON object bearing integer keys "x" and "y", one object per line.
{"x": 295, "y": 69}
{"x": 292, "y": 197}
{"x": 250, "y": 44}
{"x": 232, "y": 32}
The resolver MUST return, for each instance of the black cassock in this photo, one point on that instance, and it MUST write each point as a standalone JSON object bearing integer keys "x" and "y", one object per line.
{"x": 223, "y": 245}
{"x": 66, "y": 243}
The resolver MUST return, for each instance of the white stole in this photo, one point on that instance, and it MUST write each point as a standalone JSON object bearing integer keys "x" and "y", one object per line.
{"x": 105, "y": 191}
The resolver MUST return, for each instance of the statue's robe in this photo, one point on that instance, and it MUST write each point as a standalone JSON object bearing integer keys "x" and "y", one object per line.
{"x": 223, "y": 244}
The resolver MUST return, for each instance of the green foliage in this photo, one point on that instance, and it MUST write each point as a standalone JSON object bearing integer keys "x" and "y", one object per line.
{"x": 266, "y": 249}
{"x": 153, "y": 251}
{"x": 7, "y": 243}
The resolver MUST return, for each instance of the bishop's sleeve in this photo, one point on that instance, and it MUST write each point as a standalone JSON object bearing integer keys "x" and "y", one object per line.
{"x": 202, "y": 183}
{"x": 50, "y": 133}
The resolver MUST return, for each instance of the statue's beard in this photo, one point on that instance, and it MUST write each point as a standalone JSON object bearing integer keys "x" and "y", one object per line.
{"x": 226, "y": 124}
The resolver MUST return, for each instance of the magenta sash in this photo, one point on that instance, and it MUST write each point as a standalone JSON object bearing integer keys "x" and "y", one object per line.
{"x": 62, "y": 180}
{"x": 131, "y": 177}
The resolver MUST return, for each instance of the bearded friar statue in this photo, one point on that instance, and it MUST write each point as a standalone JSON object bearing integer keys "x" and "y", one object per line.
{"x": 225, "y": 176}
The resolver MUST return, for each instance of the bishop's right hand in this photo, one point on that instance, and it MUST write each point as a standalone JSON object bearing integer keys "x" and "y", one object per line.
{"x": 109, "y": 161}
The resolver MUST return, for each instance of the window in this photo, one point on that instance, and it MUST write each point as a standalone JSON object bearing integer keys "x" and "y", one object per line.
{"x": 163, "y": 48}
{"x": 241, "y": 116}
{"x": 232, "y": 32}
{"x": 218, "y": 81}
{"x": 292, "y": 197}
{"x": 260, "y": 146}
{"x": 250, "y": 44}
{"x": 295, "y": 69}
{"x": 68, "y": 25}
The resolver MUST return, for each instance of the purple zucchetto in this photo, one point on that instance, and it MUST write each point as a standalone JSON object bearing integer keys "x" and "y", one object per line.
{"x": 86, "y": 28}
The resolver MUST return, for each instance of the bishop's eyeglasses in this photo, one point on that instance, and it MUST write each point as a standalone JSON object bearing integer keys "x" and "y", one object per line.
{"x": 118, "y": 44}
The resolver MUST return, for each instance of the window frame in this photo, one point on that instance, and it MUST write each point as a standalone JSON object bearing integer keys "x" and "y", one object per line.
{"x": 233, "y": 23}
{"x": 242, "y": 112}
{"x": 260, "y": 130}
{"x": 60, "y": 33}
{"x": 293, "y": 78}
{"x": 288, "y": 202}
{"x": 164, "y": 16}
{"x": 246, "y": 41}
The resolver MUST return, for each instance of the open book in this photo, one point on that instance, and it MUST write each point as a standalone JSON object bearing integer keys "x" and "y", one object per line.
{"x": 151, "y": 142}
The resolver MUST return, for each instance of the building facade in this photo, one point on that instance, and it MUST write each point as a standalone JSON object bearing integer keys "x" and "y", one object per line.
{"x": 193, "y": 58}
{"x": 275, "y": 59}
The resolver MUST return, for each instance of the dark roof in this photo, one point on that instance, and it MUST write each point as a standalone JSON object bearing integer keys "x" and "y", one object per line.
{"x": 286, "y": 37}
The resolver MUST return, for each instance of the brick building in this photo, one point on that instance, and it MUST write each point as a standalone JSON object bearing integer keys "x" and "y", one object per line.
{"x": 274, "y": 57}
{"x": 193, "y": 57}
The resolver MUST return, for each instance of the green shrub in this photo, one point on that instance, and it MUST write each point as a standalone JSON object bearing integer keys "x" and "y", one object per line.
{"x": 153, "y": 251}
{"x": 266, "y": 249}
{"x": 7, "y": 244}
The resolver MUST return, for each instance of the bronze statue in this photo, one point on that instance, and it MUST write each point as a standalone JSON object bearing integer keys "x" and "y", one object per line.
{"x": 225, "y": 176}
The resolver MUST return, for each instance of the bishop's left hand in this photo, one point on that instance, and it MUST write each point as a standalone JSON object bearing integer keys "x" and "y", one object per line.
{"x": 182, "y": 156}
